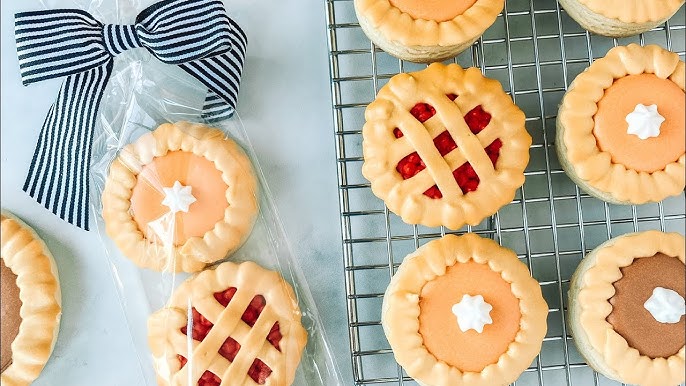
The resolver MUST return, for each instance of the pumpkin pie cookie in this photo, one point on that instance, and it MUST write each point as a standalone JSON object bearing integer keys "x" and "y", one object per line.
{"x": 236, "y": 324}
{"x": 626, "y": 308}
{"x": 30, "y": 304}
{"x": 426, "y": 30}
{"x": 620, "y": 129}
{"x": 180, "y": 197}
{"x": 444, "y": 146}
{"x": 462, "y": 310}
{"x": 619, "y": 18}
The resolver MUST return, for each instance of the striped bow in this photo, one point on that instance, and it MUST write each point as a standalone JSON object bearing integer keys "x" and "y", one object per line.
{"x": 196, "y": 35}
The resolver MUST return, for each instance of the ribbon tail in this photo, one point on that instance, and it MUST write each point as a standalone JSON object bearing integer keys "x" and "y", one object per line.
{"x": 221, "y": 74}
{"x": 59, "y": 173}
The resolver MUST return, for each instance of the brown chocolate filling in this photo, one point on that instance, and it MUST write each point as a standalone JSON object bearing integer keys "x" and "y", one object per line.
{"x": 630, "y": 318}
{"x": 9, "y": 316}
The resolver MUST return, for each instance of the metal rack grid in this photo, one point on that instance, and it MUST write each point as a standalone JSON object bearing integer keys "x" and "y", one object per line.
{"x": 535, "y": 50}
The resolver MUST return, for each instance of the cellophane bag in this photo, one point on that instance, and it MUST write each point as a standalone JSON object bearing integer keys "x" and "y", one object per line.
{"x": 211, "y": 291}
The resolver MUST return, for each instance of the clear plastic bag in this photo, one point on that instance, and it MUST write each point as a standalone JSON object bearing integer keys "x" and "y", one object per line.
{"x": 186, "y": 324}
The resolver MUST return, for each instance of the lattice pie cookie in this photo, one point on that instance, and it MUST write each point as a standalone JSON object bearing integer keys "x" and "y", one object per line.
{"x": 464, "y": 311}
{"x": 237, "y": 324}
{"x": 30, "y": 304}
{"x": 180, "y": 197}
{"x": 444, "y": 146}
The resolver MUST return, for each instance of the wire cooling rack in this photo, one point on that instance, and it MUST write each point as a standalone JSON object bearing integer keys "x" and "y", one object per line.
{"x": 535, "y": 50}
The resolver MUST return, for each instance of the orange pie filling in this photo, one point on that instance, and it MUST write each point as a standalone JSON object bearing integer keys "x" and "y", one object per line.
{"x": 441, "y": 325}
{"x": 157, "y": 181}
{"x": 477, "y": 119}
{"x": 611, "y": 127}
{"x": 436, "y": 10}
{"x": 258, "y": 371}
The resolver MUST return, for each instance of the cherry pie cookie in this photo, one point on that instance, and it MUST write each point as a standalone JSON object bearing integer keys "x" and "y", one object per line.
{"x": 30, "y": 304}
{"x": 180, "y": 197}
{"x": 237, "y": 324}
{"x": 444, "y": 146}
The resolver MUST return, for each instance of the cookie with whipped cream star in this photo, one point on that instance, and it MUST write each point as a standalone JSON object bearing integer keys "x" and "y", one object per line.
{"x": 626, "y": 308}
{"x": 180, "y": 197}
{"x": 621, "y": 126}
{"x": 462, "y": 310}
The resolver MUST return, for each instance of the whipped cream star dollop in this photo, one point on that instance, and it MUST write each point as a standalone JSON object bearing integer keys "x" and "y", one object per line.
{"x": 644, "y": 121}
{"x": 666, "y": 305}
{"x": 472, "y": 312}
{"x": 178, "y": 198}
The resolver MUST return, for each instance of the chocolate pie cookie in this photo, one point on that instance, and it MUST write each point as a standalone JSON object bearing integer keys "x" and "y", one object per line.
{"x": 626, "y": 308}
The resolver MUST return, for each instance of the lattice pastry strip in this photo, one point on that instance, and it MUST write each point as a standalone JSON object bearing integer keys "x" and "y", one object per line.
{"x": 231, "y": 347}
{"x": 444, "y": 146}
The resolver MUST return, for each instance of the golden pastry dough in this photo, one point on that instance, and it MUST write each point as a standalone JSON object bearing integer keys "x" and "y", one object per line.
{"x": 400, "y": 312}
{"x": 196, "y": 252}
{"x": 590, "y": 291}
{"x": 39, "y": 291}
{"x": 382, "y": 150}
{"x": 587, "y": 165}
{"x": 167, "y": 341}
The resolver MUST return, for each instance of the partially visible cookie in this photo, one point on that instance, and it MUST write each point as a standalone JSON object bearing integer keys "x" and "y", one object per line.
{"x": 619, "y": 18}
{"x": 233, "y": 325}
{"x": 426, "y": 30}
{"x": 626, "y": 308}
{"x": 30, "y": 304}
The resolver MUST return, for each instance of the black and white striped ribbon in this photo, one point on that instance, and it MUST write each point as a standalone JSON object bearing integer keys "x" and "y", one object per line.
{"x": 196, "y": 35}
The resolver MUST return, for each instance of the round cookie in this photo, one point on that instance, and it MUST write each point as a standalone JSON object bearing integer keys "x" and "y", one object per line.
{"x": 462, "y": 310}
{"x": 426, "y": 30}
{"x": 626, "y": 308}
{"x": 180, "y": 197}
{"x": 620, "y": 127}
{"x": 30, "y": 305}
{"x": 245, "y": 329}
{"x": 620, "y": 18}
{"x": 444, "y": 146}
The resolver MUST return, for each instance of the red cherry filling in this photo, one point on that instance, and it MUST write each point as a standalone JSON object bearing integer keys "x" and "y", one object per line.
{"x": 259, "y": 371}
{"x": 207, "y": 378}
{"x": 465, "y": 176}
{"x": 422, "y": 111}
{"x": 477, "y": 119}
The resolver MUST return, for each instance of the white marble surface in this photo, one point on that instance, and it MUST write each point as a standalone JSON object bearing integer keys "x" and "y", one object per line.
{"x": 285, "y": 107}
